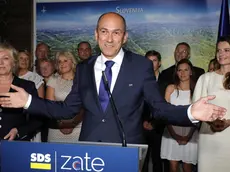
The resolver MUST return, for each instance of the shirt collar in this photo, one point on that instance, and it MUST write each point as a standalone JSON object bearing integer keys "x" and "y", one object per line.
{"x": 117, "y": 59}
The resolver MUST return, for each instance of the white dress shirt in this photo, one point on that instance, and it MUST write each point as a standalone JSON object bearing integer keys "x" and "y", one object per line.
{"x": 100, "y": 66}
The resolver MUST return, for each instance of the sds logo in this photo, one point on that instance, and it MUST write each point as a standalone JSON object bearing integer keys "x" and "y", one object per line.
{"x": 40, "y": 161}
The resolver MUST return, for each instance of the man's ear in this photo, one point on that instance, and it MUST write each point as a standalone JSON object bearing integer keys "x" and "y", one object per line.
{"x": 125, "y": 37}
{"x": 159, "y": 64}
{"x": 96, "y": 35}
{"x": 189, "y": 55}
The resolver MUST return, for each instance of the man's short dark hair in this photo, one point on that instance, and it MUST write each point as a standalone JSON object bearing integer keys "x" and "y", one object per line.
{"x": 83, "y": 42}
{"x": 185, "y": 44}
{"x": 153, "y": 53}
{"x": 43, "y": 43}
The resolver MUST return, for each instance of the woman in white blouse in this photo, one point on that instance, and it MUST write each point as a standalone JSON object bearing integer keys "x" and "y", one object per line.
{"x": 23, "y": 71}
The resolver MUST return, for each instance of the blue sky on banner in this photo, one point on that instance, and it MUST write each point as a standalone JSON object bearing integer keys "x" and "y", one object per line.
{"x": 154, "y": 24}
{"x": 49, "y": 15}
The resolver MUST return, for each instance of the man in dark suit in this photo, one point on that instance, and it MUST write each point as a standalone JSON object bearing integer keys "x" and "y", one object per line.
{"x": 42, "y": 51}
{"x": 153, "y": 128}
{"x": 84, "y": 50}
{"x": 182, "y": 51}
{"x": 131, "y": 80}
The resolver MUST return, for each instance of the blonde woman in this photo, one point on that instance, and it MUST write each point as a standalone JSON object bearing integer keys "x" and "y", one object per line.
{"x": 14, "y": 124}
{"x": 57, "y": 89}
{"x": 23, "y": 71}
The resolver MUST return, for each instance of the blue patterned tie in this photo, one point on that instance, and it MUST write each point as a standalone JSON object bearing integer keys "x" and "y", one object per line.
{"x": 103, "y": 94}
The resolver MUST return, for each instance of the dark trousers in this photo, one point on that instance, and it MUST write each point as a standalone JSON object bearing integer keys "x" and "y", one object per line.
{"x": 153, "y": 138}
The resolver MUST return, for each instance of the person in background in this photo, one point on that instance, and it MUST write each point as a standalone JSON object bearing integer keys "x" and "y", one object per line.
{"x": 180, "y": 143}
{"x": 42, "y": 51}
{"x": 153, "y": 128}
{"x": 213, "y": 65}
{"x": 47, "y": 69}
{"x": 84, "y": 50}
{"x": 155, "y": 57}
{"x": 214, "y": 147}
{"x": 15, "y": 124}
{"x": 58, "y": 88}
{"x": 130, "y": 88}
{"x": 23, "y": 71}
{"x": 182, "y": 51}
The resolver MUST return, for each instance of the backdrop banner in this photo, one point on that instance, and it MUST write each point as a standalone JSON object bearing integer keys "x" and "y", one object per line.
{"x": 152, "y": 25}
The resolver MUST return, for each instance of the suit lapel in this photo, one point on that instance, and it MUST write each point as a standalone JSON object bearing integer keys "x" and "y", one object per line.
{"x": 92, "y": 81}
{"x": 123, "y": 75}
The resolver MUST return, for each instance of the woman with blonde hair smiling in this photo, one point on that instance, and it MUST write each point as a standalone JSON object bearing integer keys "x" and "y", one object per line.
{"x": 23, "y": 71}
{"x": 57, "y": 89}
{"x": 15, "y": 123}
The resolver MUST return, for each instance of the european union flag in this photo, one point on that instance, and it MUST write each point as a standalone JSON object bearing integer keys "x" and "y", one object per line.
{"x": 224, "y": 26}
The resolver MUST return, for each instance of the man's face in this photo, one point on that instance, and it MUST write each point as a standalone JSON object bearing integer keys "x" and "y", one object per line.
{"x": 84, "y": 51}
{"x": 156, "y": 62}
{"x": 181, "y": 52}
{"x": 42, "y": 51}
{"x": 46, "y": 69}
{"x": 110, "y": 35}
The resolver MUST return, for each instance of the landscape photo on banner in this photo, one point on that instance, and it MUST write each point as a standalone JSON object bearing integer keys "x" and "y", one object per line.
{"x": 152, "y": 25}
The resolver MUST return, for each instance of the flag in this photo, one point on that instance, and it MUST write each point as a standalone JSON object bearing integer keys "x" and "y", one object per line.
{"x": 224, "y": 25}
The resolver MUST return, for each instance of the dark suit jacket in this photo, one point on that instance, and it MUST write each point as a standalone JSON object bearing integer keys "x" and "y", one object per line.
{"x": 135, "y": 83}
{"x": 17, "y": 118}
{"x": 166, "y": 77}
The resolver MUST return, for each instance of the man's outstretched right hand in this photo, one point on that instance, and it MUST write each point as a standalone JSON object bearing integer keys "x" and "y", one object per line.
{"x": 16, "y": 99}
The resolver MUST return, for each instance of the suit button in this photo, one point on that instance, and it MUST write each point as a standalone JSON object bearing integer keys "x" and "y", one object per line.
{"x": 0, "y": 126}
{"x": 0, "y": 118}
{"x": 103, "y": 120}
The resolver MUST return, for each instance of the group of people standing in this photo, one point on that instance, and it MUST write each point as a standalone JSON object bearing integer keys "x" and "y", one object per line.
{"x": 174, "y": 144}
{"x": 183, "y": 84}
{"x": 52, "y": 79}
{"x": 132, "y": 76}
